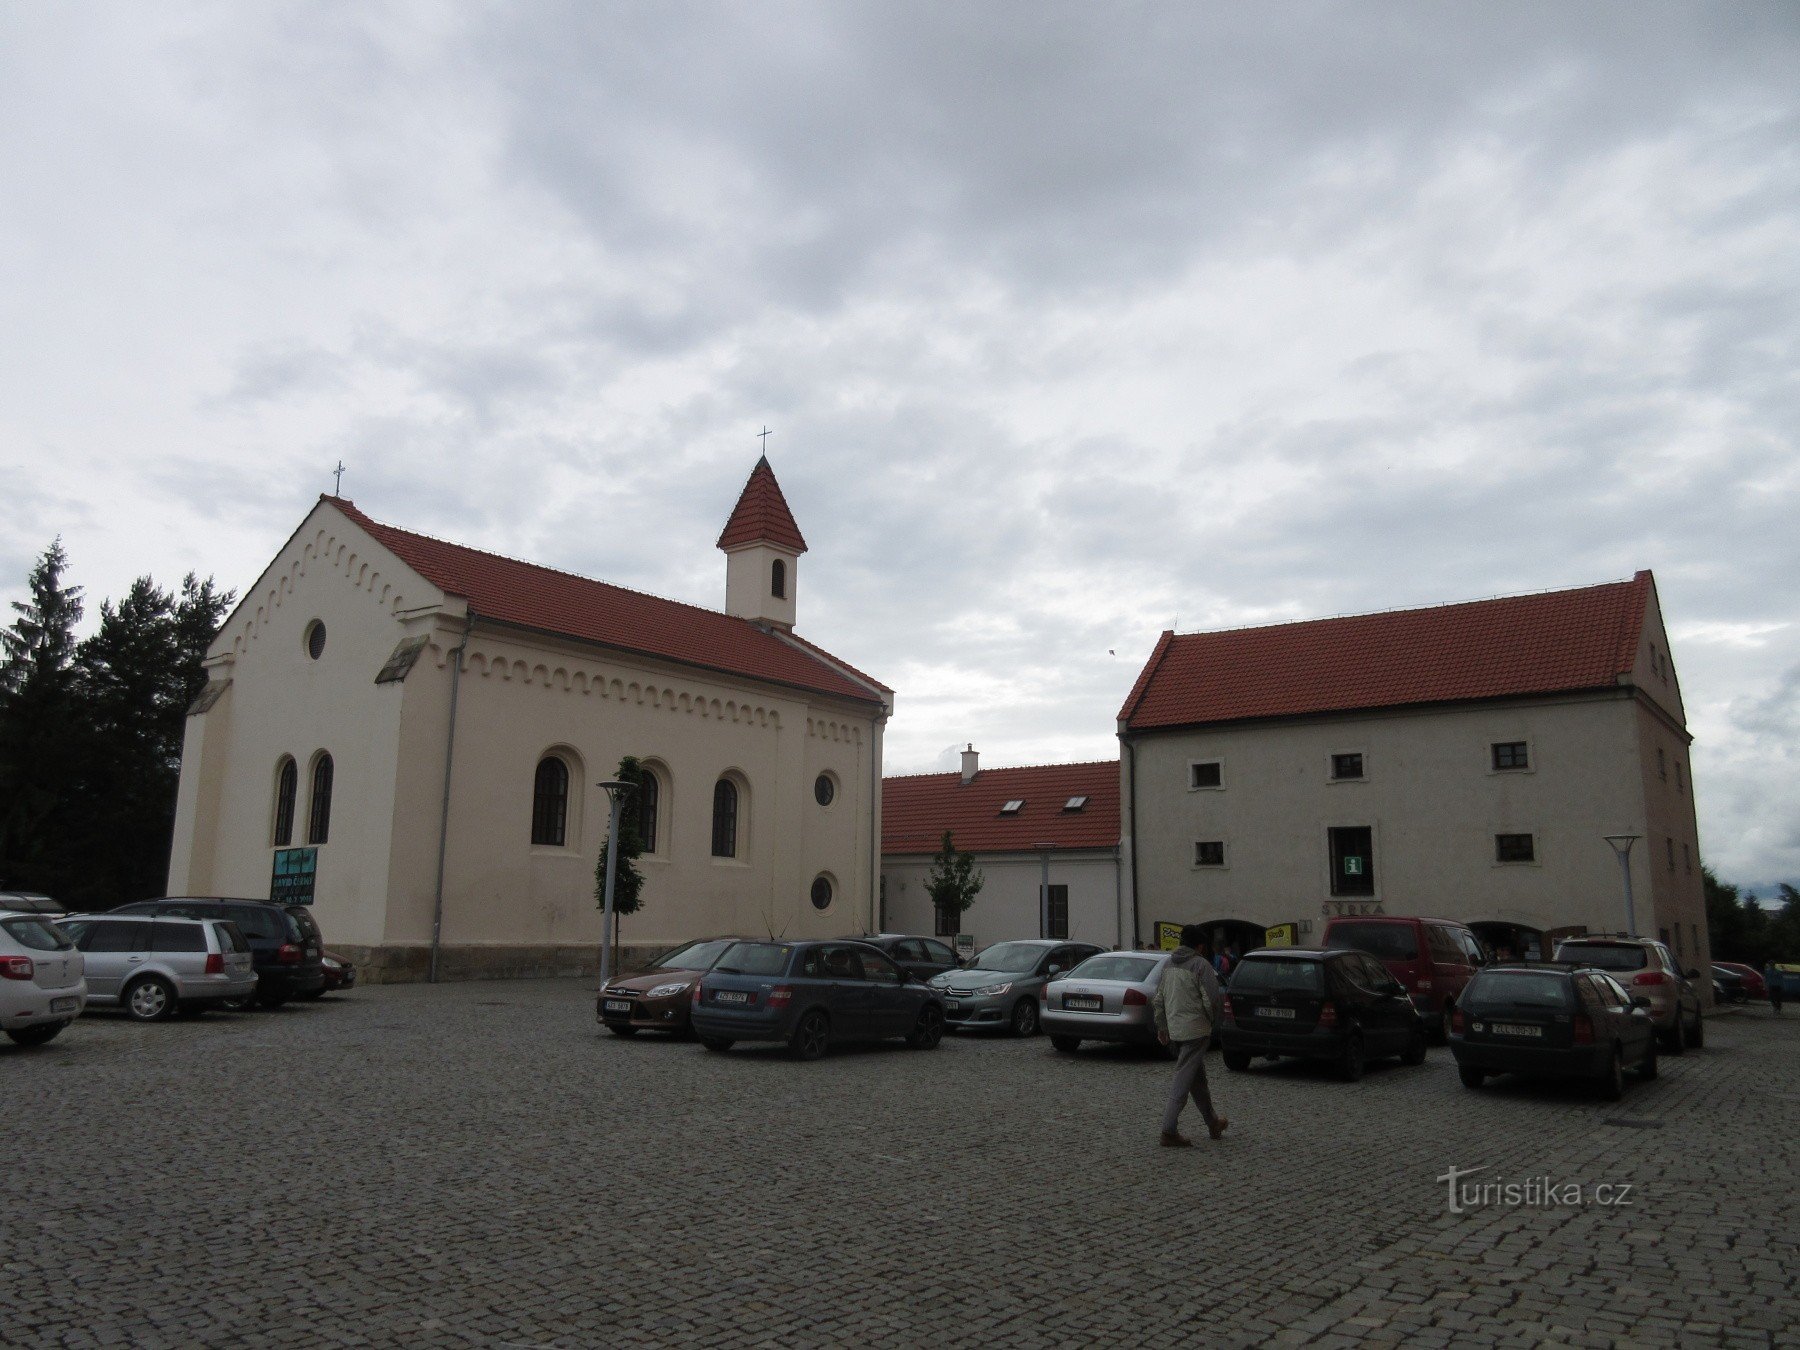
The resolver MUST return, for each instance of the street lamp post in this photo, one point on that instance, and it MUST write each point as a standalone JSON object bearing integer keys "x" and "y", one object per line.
{"x": 1621, "y": 845}
{"x": 1044, "y": 851}
{"x": 616, "y": 792}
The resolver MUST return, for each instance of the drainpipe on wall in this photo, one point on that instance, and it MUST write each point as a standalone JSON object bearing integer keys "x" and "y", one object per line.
{"x": 437, "y": 903}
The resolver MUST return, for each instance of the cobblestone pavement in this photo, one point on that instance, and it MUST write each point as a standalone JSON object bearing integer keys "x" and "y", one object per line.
{"x": 475, "y": 1164}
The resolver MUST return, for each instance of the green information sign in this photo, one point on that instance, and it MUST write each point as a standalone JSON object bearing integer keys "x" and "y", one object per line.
{"x": 1353, "y": 866}
{"x": 292, "y": 881}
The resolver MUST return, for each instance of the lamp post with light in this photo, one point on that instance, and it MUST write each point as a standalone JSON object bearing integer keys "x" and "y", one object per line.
{"x": 1621, "y": 845}
{"x": 616, "y": 792}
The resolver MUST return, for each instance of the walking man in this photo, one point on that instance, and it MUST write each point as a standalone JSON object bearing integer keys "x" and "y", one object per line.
{"x": 1184, "y": 1018}
{"x": 1772, "y": 979}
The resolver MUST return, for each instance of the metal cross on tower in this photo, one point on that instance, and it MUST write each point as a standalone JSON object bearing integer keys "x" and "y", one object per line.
{"x": 337, "y": 487}
{"x": 763, "y": 436}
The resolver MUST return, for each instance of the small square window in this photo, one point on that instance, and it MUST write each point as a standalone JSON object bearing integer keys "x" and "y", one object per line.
{"x": 1207, "y": 773}
{"x": 1075, "y": 804}
{"x": 1209, "y": 853}
{"x": 1515, "y": 848}
{"x": 1013, "y": 807}
{"x": 1347, "y": 766}
{"x": 1510, "y": 755}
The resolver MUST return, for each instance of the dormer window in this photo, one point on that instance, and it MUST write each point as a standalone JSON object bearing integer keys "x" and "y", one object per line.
{"x": 1013, "y": 807}
{"x": 778, "y": 579}
{"x": 1075, "y": 804}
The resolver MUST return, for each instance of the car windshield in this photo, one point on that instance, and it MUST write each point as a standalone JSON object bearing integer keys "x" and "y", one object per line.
{"x": 1113, "y": 966}
{"x": 1389, "y": 941}
{"x": 1014, "y": 958}
{"x": 39, "y": 935}
{"x": 755, "y": 958}
{"x": 1603, "y": 955}
{"x": 1523, "y": 988}
{"x": 1266, "y": 974}
{"x": 694, "y": 956}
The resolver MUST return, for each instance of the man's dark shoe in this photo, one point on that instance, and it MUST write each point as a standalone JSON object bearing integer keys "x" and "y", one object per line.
{"x": 1219, "y": 1128}
{"x": 1177, "y": 1140}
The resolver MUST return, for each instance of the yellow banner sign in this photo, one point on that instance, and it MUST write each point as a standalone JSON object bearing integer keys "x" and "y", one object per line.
{"x": 1168, "y": 936}
{"x": 1282, "y": 935}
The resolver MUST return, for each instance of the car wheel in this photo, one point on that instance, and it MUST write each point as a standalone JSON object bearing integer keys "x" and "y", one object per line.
{"x": 1067, "y": 1044}
{"x": 151, "y": 999}
{"x": 1352, "y": 1060}
{"x": 311, "y": 994}
{"x": 621, "y": 1030}
{"x": 1647, "y": 1070}
{"x": 928, "y": 1030}
{"x": 1471, "y": 1077}
{"x": 1238, "y": 1061}
{"x": 1676, "y": 1041}
{"x": 38, "y": 1035}
{"x": 713, "y": 1043}
{"x": 1612, "y": 1086}
{"x": 1698, "y": 1039}
{"x": 1414, "y": 1054}
{"x": 1024, "y": 1018}
{"x": 811, "y": 1037}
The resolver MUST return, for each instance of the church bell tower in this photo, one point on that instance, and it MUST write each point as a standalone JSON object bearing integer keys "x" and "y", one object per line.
{"x": 762, "y": 552}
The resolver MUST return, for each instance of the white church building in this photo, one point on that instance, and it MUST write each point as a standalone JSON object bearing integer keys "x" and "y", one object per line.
{"x": 408, "y": 734}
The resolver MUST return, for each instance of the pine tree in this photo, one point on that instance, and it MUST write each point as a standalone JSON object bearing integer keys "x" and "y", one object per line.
{"x": 40, "y": 733}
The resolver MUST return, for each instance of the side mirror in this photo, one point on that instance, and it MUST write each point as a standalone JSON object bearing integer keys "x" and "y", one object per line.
{"x": 1054, "y": 971}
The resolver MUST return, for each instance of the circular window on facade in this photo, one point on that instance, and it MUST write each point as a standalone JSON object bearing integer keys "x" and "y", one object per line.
{"x": 821, "y": 892}
{"x": 824, "y": 792}
{"x": 315, "y": 639}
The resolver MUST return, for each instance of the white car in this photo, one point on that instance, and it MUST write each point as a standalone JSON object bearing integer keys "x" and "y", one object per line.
{"x": 43, "y": 985}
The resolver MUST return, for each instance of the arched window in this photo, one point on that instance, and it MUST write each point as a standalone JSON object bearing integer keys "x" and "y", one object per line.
{"x": 318, "y": 823}
{"x": 778, "y": 579}
{"x": 550, "y": 803}
{"x": 287, "y": 788}
{"x": 645, "y": 804}
{"x": 725, "y": 819}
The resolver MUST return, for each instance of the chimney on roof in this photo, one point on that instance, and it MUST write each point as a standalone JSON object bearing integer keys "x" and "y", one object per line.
{"x": 971, "y": 763}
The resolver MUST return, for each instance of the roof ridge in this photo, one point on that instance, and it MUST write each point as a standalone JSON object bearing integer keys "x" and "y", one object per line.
{"x": 1004, "y": 768}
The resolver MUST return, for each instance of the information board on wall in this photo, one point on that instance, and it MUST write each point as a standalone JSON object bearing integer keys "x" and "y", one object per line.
{"x": 1281, "y": 935}
{"x": 965, "y": 946}
{"x": 292, "y": 880}
{"x": 1168, "y": 936}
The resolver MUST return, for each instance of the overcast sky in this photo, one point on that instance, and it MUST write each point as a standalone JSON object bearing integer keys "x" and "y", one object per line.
{"x": 1071, "y": 322}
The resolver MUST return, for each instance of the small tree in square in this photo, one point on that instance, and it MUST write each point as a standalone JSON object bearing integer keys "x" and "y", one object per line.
{"x": 953, "y": 882}
{"x": 628, "y": 882}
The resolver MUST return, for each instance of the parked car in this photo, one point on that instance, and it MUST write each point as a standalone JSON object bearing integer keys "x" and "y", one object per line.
{"x": 155, "y": 967}
{"x": 1752, "y": 984}
{"x": 285, "y": 943}
{"x": 31, "y": 902}
{"x": 1432, "y": 958}
{"x": 1004, "y": 985}
{"x": 1105, "y": 998}
{"x": 1339, "y": 1005}
{"x": 1645, "y": 967}
{"x": 1555, "y": 1021}
{"x": 812, "y": 995}
{"x": 42, "y": 984}
{"x": 922, "y": 956}
{"x": 340, "y": 974}
{"x": 661, "y": 998}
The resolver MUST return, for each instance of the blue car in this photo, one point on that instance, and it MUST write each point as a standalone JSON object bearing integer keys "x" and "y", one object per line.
{"x": 810, "y": 995}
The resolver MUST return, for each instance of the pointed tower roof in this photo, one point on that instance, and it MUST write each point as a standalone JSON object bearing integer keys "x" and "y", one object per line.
{"x": 761, "y": 515}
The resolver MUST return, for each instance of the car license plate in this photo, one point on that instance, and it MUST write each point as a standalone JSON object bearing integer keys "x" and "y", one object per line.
{"x": 619, "y": 1005}
{"x": 64, "y": 1004}
{"x": 731, "y": 996}
{"x": 1082, "y": 1003}
{"x": 1508, "y": 1029}
{"x": 951, "y": 1004}
{"x": 1274, "y": 1012}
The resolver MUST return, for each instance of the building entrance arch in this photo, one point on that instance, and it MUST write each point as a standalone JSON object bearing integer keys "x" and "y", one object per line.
{"x": 1512, "y": 941}
{"x": 1236, "y": 936}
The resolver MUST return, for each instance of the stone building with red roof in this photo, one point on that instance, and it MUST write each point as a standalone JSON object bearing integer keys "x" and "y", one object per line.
{"x": 1466, "y": 761}
{"x": 409, "y": 733}
{"x": 1045, "y": 836}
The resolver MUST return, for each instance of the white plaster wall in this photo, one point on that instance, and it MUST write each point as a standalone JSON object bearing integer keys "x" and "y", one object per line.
{"x": 1008, "y": 904}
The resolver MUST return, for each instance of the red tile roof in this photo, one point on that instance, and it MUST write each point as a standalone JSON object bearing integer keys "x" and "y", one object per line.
{"x": 1557, "y": 642}
{"x": 915, "y": 811}
{"x": 549, "y": 601}
{"x": 761, "y": 515}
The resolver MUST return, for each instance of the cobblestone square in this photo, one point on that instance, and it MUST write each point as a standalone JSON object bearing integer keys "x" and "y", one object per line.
{"x": 477, "y": 1164}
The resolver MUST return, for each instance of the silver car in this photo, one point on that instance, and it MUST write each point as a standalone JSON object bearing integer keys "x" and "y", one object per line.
{"x": 41, "y": 985}
{"x": 1647, "y": 970}
{"x": 1105, "y": 998}
{"x": 154, "y": 967}
{"x": 1004, "y": 984}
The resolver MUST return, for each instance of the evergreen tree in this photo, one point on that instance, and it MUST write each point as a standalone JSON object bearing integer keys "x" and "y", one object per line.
{"x": 953, "y": 883}
{"x": 628, "y": 882}
{"x": 40, "y": 733}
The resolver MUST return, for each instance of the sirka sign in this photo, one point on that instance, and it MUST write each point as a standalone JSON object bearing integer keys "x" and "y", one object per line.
{"x": 1340, "y": 909}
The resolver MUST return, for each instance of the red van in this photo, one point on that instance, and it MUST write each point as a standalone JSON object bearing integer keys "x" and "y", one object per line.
{"x": 1433, "y": 958}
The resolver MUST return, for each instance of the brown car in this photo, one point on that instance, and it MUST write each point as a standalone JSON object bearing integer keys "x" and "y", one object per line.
{"x": 661, "y": 997}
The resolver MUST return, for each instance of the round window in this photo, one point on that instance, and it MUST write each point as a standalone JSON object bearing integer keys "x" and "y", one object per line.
{"x": 821, "y": 893}
{"x": 824, "y": 792}
{"x": 315, "y": 639}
